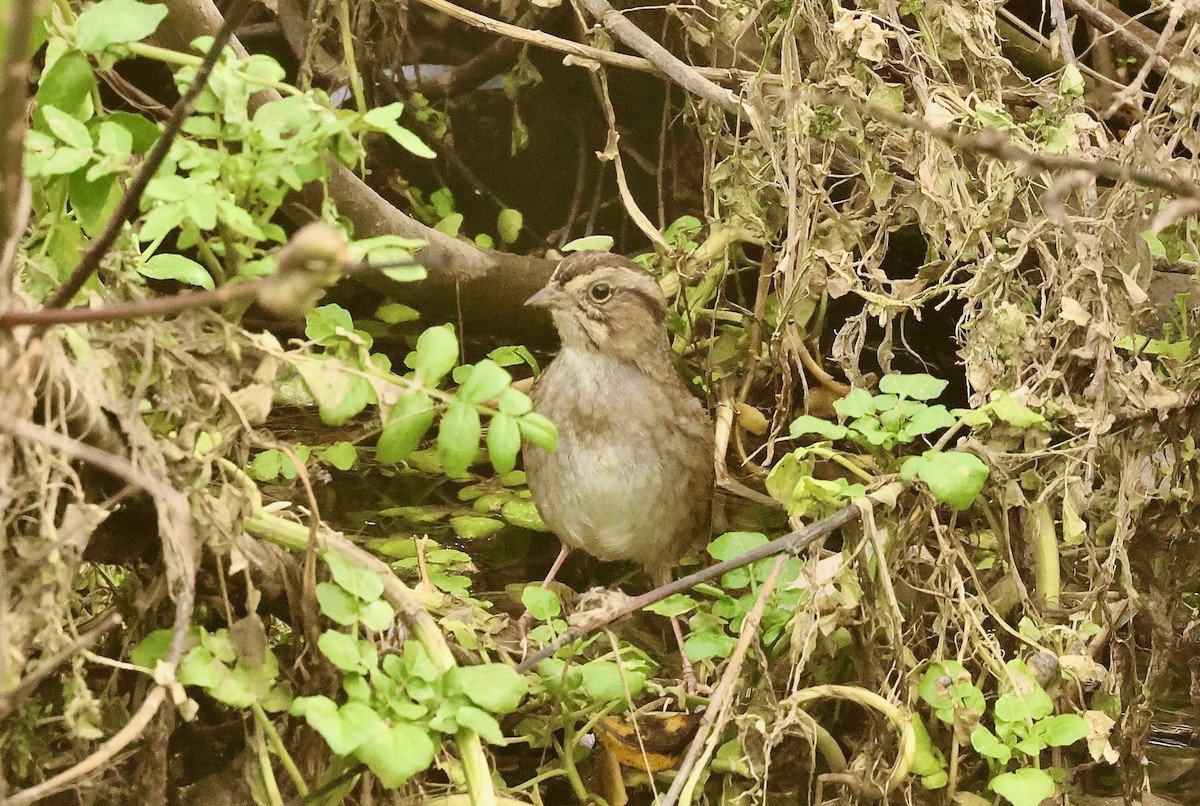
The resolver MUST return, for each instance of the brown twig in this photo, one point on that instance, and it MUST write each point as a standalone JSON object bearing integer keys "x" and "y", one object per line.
{"x": 681, "y": 73}
{"x": 792, "y": 542}
{"x": 572, "y": 48}
{"x": 14, "y": 83}
{"x": 1111, "y": 20}
{"x": 12, "y": 699}
{"x": 159, "y": 306}
{"x": 128, "y": 206}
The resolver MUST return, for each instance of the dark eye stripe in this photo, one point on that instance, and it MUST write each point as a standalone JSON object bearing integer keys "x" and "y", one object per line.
{"x": 652, "y": 306}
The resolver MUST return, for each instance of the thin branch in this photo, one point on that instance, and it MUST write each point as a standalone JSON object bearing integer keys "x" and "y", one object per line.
{"x": 550, "y": 42}
{"x": 681, "y": 73}
{"x": 793, "y": 542}
{"x": 127, "y": 208}
{"x": 158, "y": 306}
{"x": 1111, "y": 20}
{"x": 11, "y": 700}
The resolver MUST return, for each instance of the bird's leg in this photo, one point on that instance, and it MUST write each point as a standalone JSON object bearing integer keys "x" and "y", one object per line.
{"x": 558, "y": 561}
{"x": 525, "y": 620}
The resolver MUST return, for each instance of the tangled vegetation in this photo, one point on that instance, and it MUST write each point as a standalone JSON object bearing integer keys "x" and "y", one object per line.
{"x": 263, "y": 392}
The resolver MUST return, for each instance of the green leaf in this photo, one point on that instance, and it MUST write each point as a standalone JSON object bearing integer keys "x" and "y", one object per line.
{"x": 486, "y": 381}
{"x": 344, "y": 729}
{"x": 508, "y": 225}
{"x": 493, "y": 686}
{"x": 68, "y": 85}
{"x": 523, "y": 514}
{"x": 450, "y": 225}
{"x": 436, "y": 354}
{"x": 267, "y": 465}
{"x": 503, "y": 442}
{"x": 542, "y": 603}
{"x": 598, "y": 243}
{"x": 458, "y": 438}
{"x": 407, "y": 422}
{"x": 397, "y": 753}
{"x": 1013, "y": 412}
{"x": 928, "y": 760}
{"x": 384, "y": 119}
{"x": 347, "y": 652}
{"x": 515, "y": 403}
{"x": 337, "y": 603}
{"x": 176, "y": 267}
{"x": 341, "y": 455}
{"x": 920, "y": 386}
{"x": 336, "y": 409}
{"x": 1025, "y": 787}
{"x": 603, "y": 681}
{"x": 406, "y": 274}
{"x": 735, "y": 544}
{"x": 701, "y": 645}
{"x": 377, "y": 616}
{"x": 152, "y": 648}
{"x": 1071, "y": 85}
{"x": 396, "y": 313}
{"x": 539, "y": 430}
{"x": 986, "y": 744}
{"x": 955, "y": 477}
{"x": 480, "y": 721}
{"x": 113, "y": 22}
{"x": 474, "y": 527}
{"x": 67, "y": 128}
{"x": 328, "y": 324}
{"x": 929, "y": 419}
{"x": 946, "y": 686}
{"x": 442, "y": 200}
{"x": 365, "y": 585}
{"x": 1062, "y": 729}
{"x": 510, "y": 355}
{"x": 807, "y": 424}
{"x": 674, "y": 605}
{"x": 857, "y": 403}
{"x": 1011, "y": 708}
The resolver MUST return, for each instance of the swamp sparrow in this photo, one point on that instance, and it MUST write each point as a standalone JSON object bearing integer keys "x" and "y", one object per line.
{"x": 632, "y": 478}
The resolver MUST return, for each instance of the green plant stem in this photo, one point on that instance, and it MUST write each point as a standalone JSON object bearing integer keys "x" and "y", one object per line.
{"x": 168, "y": 56}
{"x": 537, "y": 779}
{"x": 1046, "y": 567}
{"x": 285, "y": 758}
{"x": 264, "y": 764}
{"x": 854, "y": 469}
{"x": 355, "y": 77}
{"x": 570, "y": 740}
{"x": 211, "y": 262}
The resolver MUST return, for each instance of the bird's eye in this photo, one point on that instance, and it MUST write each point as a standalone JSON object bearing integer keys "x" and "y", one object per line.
{"x": 600, "y": 292}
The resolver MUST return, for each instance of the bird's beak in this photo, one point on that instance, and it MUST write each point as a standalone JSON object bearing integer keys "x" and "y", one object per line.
{"x": 545, "y": 298}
